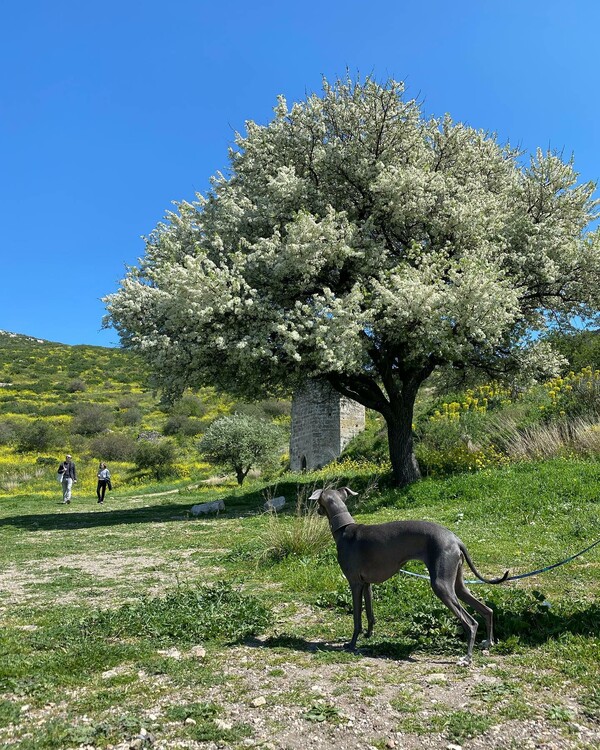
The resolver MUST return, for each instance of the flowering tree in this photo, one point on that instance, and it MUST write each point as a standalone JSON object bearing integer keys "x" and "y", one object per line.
{"x": 356, "y": 240}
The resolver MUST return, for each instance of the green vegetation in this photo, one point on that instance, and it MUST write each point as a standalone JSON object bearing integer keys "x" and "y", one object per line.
{"x": 243, "y": 442}
{"x": 136, "y": 623}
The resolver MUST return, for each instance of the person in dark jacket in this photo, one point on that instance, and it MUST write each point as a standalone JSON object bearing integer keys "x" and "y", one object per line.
{"x": 68, "y": 475}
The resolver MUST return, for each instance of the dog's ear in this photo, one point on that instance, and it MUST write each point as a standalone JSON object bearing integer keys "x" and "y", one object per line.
{"x": 348, "y": 491}
{"x": 316, "y": 495}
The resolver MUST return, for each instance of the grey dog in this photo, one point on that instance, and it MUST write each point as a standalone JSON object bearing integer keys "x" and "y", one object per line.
{"x": 373, "y": 553}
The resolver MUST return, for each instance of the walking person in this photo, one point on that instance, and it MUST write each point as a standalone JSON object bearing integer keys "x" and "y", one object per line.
{"x": 103, "y": 482}
{"x": 68, "y": 474}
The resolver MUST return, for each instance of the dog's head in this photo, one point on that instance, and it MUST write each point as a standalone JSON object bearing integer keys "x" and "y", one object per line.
{"x": 330, "y": 501}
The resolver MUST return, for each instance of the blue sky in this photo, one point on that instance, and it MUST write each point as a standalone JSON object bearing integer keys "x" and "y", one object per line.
{"x": 110, "y": 111}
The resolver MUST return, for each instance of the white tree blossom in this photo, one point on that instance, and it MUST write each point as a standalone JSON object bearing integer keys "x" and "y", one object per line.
{"x": 357, "y": 240}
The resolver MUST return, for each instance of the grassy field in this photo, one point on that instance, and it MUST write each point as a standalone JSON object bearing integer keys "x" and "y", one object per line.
{"x": 139, "y": 625}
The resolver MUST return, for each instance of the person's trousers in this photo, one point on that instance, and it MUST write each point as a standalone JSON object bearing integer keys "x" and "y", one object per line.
{"x": 67, "y": 484}
{"x": 101, "y": 490}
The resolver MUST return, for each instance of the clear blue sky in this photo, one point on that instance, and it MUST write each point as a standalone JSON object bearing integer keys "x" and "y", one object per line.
{"x": 111, "y": 110}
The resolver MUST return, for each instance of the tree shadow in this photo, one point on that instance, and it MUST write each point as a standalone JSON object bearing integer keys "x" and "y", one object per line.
{"x": 236, "y": 505}
{"x": 384, "y": 649}
{"x": 536, "y": 624}
{"x": 106, "y": 516}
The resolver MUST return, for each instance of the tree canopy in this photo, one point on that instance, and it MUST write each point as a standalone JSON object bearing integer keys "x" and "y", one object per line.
{"x": 355, "y": 239}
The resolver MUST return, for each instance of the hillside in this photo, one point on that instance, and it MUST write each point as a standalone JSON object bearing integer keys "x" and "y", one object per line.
{"x": 91, "y": 401}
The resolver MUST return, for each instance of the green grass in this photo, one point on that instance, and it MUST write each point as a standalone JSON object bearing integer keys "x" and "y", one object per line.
{"x": 119, "y": 596}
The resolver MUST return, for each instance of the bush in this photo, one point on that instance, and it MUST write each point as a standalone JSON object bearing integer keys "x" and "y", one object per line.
{"x": 90, "y": 419}
{"x": 113, "y": 446}
{"x": 37, "y": 436}
{"x": 242, "y": 442}
{"x": 178, "y": 424}
{"x": 156, "y": 458}
{"x": 131, "y": 416}
{"x": 8, "y": 432}
{"x": 189, "y": 405}
{"x": 76, "y": 386}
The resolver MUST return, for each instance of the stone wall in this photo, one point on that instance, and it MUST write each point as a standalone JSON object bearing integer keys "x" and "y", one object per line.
{"x": 323, "y": 423}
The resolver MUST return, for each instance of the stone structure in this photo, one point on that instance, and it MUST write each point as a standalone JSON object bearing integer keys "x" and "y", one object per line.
{"x": 323, "y": 423}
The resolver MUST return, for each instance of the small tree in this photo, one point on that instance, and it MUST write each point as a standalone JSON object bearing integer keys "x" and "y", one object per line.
{"x": 241, "y": 441}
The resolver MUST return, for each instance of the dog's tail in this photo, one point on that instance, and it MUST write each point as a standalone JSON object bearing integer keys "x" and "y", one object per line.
{"x": 477, "y": 573}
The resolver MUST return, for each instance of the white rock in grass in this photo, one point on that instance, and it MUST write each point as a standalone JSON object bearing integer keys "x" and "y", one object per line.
{"x": 203, "y": 508}
{"x": 198, "y": 652}
{"x": 172, "y": 653}
{"x": 260, "y": 701}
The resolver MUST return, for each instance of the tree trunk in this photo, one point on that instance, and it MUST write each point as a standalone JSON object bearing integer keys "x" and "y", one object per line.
{"x": 396, "y": 405}
{"x": 399, "y": 420}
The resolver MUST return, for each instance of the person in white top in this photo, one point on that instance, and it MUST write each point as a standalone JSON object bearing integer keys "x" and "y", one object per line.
{"x": 103, "y": 482}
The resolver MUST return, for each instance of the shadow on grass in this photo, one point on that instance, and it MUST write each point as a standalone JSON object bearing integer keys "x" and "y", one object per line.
{"x": 240, "y": 503}
{"x": 108, "y": 516}
{"x": 381, "y": 649}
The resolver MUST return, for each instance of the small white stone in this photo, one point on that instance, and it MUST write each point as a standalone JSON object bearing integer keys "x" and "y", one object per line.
{"x": 436, "y": 677}
{"x": 260, "y": 701}
{"x": 198, "y": 652}
{"x": 172, "y": 653}
{"x": 223, "y": 725}
{"x": 190, "y": 721}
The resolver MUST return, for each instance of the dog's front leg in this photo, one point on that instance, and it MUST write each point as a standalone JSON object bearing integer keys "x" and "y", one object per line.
{"x": 357, "y": 597}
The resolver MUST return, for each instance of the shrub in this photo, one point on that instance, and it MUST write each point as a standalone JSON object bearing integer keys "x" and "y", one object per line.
{"x": 189, "y": 405}
{"x": 113, "y": 446}
{"x": 36, "y": 436}
{"x": 178, "y": 424}
{"x": 131, "y": 416}
{"x": 242, "y": 442}
{"x": 76, "y": 386}
{"x": 575, "y": 394}
{"x": 90, "y": 419}
{"x": 157, "y": 458}
{"x": 8, "y": 432}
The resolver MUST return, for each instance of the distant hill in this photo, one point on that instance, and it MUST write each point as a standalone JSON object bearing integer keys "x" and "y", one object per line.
{"x": 95, "y": 400}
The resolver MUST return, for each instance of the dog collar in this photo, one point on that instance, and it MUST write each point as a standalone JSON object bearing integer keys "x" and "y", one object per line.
{"x": 340, "y": 520}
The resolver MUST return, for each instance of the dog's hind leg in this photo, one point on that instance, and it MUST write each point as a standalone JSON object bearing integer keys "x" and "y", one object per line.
{"x": 488, "y": 615}
{"x": 368, "y": 594}
{"x": 357, "y": 588}
{"x": 445, "y": 591}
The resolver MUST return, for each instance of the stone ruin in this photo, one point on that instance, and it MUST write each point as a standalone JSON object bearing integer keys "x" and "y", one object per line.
{"x": 323, "y": 423}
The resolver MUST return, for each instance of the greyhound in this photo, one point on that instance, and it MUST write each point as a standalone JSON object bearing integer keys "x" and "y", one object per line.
{"x": 374, "y": 553}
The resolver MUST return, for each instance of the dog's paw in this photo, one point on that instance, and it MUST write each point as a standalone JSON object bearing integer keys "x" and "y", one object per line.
{"x": 464, "y": 661}
{"x": 350, "y": 646}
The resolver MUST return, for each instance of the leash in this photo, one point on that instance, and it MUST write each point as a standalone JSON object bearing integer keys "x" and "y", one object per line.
{"x": 521, "y": 575}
